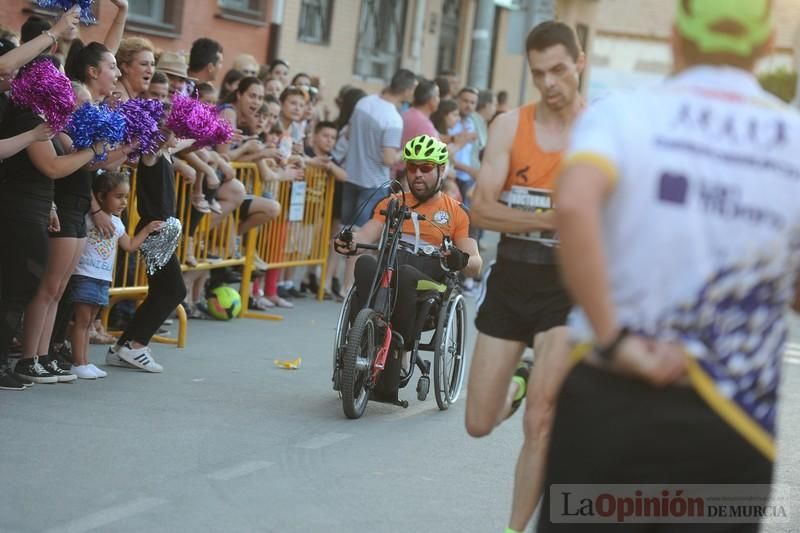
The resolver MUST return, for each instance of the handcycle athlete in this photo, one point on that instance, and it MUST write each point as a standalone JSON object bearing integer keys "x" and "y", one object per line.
{"x": 421, "y": 235}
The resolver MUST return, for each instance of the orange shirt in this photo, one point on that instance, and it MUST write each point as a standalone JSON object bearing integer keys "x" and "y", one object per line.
{"x": 530, "y": 166}
{"x": 448, "y": 214}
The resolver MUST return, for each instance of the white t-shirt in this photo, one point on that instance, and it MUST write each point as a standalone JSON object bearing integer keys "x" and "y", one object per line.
{"x": 375, "y": 125}
{"x": 464, "y": 155}
{"x": 702, "y": 229}
{"x": 99, "y": 256}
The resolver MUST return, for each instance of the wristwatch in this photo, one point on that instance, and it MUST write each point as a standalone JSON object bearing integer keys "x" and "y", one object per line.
{"x": 607, "y": 352}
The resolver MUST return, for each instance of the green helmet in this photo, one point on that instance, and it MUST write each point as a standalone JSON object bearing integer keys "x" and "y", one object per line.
{"x": 425, "y": 148}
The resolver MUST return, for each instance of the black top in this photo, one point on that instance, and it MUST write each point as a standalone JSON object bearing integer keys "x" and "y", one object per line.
{"x": 155, "y": 190}
{"x": 5, "y": 101}
{"x": 74, "y": 192}
{"x": 26, "y": 192}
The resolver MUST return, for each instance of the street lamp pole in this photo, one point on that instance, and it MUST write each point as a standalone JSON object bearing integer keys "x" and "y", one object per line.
{"x": 536, "y": 12}
{"x": 481, "y": 56}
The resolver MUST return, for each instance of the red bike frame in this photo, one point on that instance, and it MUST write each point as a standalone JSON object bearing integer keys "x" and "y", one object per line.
{"x": 383, "y": 353}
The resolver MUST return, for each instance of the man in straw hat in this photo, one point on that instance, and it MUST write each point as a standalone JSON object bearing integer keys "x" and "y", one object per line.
{"x": 177, "y": 71}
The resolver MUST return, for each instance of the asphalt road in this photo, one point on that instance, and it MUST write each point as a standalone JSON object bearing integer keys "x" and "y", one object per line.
{"x": 223, "y": 441}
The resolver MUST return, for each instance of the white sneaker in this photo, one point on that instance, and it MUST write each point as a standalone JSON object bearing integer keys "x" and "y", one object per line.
{"x": 100, "y": 373}
{"x": 140, "y": 358}
{"x": 83, "y": 372}
{"x": 112, "y": 359}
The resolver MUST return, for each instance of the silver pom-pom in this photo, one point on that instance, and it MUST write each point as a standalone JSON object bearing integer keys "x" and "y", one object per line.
{"x": 158, "y": 248}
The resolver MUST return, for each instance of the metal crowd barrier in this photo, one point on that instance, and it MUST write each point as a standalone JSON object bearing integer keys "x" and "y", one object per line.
{"x": 300, "y": 236}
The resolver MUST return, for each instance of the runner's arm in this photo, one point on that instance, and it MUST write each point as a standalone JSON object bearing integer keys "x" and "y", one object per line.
{"x": 475, "y": 263}
{"x": 582, "y": 190}
{"x": 487, "y": 211}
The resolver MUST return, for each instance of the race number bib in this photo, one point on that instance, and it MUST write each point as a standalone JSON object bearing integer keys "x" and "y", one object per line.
{"x": 535, "y": 201}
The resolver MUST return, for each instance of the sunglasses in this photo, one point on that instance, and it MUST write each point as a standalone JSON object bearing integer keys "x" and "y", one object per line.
{"x": 424, "y": 167}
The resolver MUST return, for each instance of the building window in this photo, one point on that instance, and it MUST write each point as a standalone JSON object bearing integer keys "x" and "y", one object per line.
{"x": 380, "y": 38}
{"x": 158, "y": 17}
{"x": 315, "y": 21}
{"x": 448, "y": 37}
{"x": 147, "y": 11}
{"x": 248, "y": 7}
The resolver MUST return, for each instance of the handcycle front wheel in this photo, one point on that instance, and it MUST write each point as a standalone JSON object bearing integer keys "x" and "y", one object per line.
{"x": 359, "y": 355}
{"x": 449, "y": 355}
{"x": 339, "y": 342}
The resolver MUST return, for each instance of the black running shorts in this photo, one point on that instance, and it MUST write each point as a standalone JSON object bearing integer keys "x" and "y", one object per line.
{"x": 610, "y": 429}
{"x": 519, "y": 300}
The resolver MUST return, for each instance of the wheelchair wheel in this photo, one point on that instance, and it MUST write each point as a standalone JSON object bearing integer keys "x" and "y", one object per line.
{"x": 341, "y": 337}
{"x": 359, "y": 354}
{"x": 449, "y": 355}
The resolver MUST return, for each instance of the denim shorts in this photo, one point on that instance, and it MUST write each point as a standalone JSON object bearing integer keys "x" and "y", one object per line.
{"x": 358, "y": 203}
{"x": 86, "y": 290}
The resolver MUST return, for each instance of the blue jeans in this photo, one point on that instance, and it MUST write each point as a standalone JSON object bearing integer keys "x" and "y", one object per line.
{"x": 358, "y": 203}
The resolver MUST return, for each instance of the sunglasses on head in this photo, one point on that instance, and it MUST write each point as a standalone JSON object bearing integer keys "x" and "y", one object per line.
{"x": 424, "y": 167}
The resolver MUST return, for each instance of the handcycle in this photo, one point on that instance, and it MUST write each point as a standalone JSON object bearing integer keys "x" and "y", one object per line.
{"x": 365, "y": 339}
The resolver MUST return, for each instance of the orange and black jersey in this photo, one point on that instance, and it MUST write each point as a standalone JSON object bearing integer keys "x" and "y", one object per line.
{"x": 442, "y": 214}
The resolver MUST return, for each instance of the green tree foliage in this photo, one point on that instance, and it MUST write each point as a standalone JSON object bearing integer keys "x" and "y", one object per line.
{"x": 782, "y": 83}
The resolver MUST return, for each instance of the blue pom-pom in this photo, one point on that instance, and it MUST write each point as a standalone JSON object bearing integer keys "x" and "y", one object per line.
{"x": 95, "y": 123}
{"x": 87, "y": 14}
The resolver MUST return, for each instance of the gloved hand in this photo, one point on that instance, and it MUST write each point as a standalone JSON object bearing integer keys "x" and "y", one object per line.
{"x": 456, "y": 259}
{"x": 345, "y": 243}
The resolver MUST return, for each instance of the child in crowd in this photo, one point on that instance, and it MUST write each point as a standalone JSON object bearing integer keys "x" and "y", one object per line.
{"x": 155, "y": 196}
{"x": 88, "y": 287}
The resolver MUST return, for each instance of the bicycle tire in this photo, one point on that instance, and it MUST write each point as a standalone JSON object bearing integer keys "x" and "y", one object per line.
{"x": 359, "y": 355}
{"x": 448, "y": 372}
{"x": 340, "y": 340}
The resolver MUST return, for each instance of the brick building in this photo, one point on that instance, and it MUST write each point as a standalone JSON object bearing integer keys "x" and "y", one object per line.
{"x": 357, "y": 42}
{"x": 631, "y": 41}
{"x": 239, "y": 25}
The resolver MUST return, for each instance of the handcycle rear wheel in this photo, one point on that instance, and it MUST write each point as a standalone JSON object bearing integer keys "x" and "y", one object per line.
{"x": 359, "y": 355}
{"x": 339, "y": 341}
{"x": 449, "y": 354}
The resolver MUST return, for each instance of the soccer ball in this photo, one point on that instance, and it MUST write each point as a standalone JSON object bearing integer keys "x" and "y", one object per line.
{"x": 224, "y": 303}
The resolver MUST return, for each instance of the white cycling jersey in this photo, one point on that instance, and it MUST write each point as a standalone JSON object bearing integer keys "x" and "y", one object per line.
{"x": 702, "y": 230}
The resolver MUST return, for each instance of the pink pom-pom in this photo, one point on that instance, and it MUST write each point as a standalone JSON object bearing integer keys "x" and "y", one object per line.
{"x": 193, "y": 119}
{"x": 42, "y": 88}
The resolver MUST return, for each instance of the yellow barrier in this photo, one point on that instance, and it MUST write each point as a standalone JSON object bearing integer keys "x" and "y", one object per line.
{"x": 298, "y": 237}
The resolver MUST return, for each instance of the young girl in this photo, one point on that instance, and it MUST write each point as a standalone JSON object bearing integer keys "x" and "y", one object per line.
{"x": 88, "y": 288}
{"x": 155, "y": 196}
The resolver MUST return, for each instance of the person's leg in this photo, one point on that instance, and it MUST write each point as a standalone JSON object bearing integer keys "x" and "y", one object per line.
{"x": 76, "y": 246}
{"x": 551, "y": 350}
{"x": 361, "y": 205}
{"x": 261, "y": 211}
{"x": 364, "y": 274}
{"x": 84, "y": 317}
{"x": 230, "y": 196}
{"x": 334, "y": 258}
{"x": 61, "y": 325}
{"x": 22, "y": 266}
{"x": 165, "y": 291}
{"x": 38, "y": 324}
{"x": 490, "y": 385}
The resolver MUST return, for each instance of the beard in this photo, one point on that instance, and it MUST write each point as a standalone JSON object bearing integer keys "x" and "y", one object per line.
{"x": 424, "y": 195}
